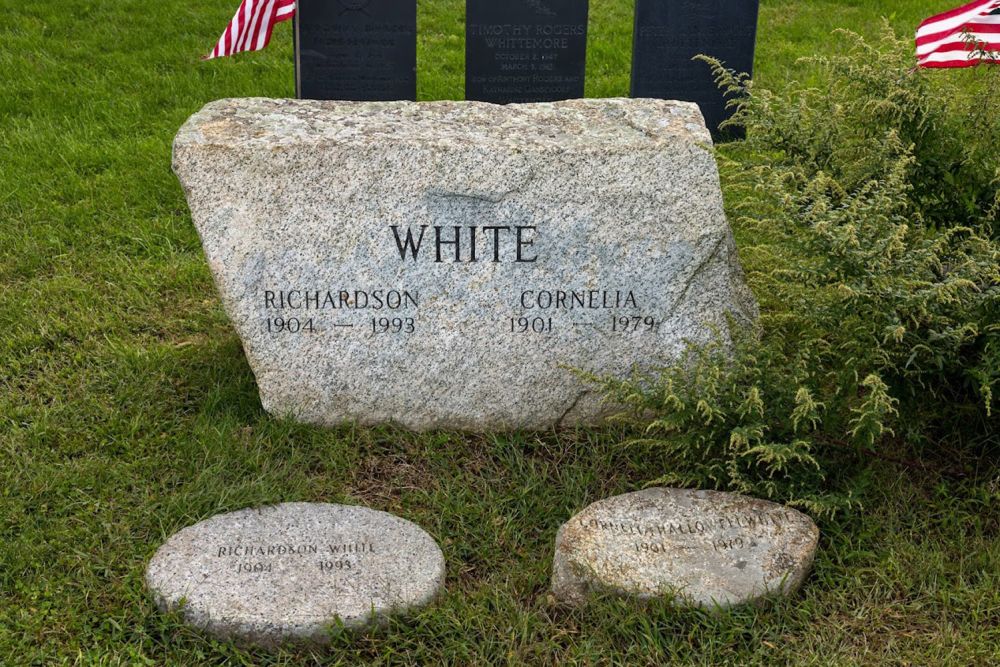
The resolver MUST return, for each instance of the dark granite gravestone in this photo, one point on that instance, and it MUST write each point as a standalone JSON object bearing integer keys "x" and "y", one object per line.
{"x": 362, "y": 50}
{"x": 669, "y": 33}
{"x": 525, "y": 50}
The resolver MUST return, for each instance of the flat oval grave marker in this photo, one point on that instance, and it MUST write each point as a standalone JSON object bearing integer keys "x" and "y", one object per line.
{"x": 707, "y": 548}
{"x": 290, "y": 571}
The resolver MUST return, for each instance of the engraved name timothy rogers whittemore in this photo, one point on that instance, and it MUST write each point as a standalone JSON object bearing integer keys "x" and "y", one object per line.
{"x": 449, "y": 265}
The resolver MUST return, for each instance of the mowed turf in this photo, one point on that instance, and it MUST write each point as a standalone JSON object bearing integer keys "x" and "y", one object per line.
{"x": 127, "y": 409}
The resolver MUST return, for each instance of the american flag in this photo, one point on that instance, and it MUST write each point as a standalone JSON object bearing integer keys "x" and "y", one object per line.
{"x": 962, "y": 37}
{"x": 250, "y": 29}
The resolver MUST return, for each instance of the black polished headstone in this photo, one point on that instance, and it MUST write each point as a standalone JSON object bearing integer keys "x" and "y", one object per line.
{"x": 364, "y": 50}
{"x": 525, "y": 50}
{"x": 669, "y": 33}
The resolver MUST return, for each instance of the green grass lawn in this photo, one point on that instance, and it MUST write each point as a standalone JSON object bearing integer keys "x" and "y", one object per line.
{"x": 128, "y": 411}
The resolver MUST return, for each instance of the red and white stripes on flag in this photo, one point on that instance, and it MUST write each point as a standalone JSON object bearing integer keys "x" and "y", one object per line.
{"x": 250, "y": 29}
{"x": 952, "y": 39}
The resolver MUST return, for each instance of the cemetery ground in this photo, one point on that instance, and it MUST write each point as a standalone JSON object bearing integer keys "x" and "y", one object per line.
{"x": 128, "y": 411}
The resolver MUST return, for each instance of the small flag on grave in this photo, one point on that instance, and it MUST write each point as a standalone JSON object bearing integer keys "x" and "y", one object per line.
{"x": 962, "y": 37}
{"x": 250, "y": 29}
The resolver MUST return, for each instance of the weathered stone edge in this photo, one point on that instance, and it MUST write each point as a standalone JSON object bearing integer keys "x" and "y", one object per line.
{"x": 688, "y": 130}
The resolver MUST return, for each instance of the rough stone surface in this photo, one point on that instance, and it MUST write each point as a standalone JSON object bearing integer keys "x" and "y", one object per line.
{"x": 288, "y": 572}
{"x": 299, "y": 204}
{"x": 707, "y": 548}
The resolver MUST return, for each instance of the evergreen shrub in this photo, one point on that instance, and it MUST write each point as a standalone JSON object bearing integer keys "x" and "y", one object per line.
{"x": 872, "y": 201}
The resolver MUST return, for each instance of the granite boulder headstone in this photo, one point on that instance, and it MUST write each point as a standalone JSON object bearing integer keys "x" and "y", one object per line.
{"x": 455, "y": 264}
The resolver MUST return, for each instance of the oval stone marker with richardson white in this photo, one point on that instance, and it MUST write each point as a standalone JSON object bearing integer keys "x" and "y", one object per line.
{"x": 294, "y": 571}
{"x": 707, "y": 548}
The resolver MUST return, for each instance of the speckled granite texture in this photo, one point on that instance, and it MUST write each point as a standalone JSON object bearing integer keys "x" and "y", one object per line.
{"x": 706, "y": 548}
{"x": 288, "y": 572}
{"x": 596, "y": 227}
